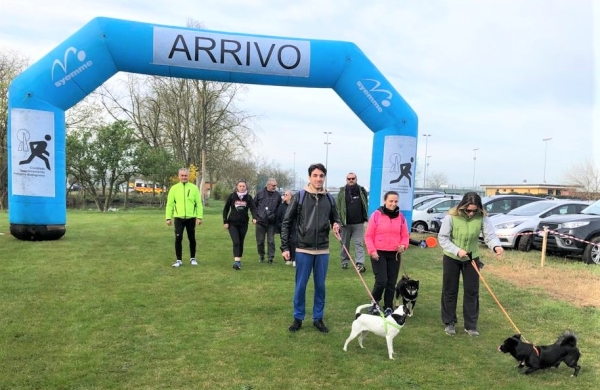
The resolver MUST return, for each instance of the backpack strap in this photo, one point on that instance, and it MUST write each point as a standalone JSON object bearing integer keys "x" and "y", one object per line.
{"x": 302, "y": 193}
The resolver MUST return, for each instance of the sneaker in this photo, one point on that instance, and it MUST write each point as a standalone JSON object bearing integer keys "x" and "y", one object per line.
{"x": 262, "y": 260}
{"x": 270, "y": 261}
{"x": 193, "y": 261}
{"x": 345, "y": 266}
{"x": 296, "y": 325}
{"x": 373, "y": 310}
{"x": 237, "y": 265}
{"x": 388, "y": 312}
{"x": 320, "y": 326}
{"x": 288, "y": 262}
{"x": 177, "y": 264}
{"x": 360, "y": 268}
{"x": 293, "y": 263}
{"x": 450, "y": 330}
{"x": 472, "y": 332}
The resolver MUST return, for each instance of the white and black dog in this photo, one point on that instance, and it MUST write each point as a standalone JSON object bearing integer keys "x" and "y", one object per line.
{"x": 387, "y": 327}
{"x": 408, "y": 289}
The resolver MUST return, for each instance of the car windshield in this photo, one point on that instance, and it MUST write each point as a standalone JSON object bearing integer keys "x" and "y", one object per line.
{"x": 593, "y": 209}
{"x": 533, "y": 208}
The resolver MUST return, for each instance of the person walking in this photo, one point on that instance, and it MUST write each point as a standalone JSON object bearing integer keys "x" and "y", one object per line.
{"x": 352, "y": 203}
{"x": 184, "y": 210}
{"x": 459, "y": 239}
{"x": 267, "y": 200}
{"x": 280, "y": 214}
{"x": 386, "y": 238}
{"x": 313, "y": 212}
{"x": 235, "y": 219}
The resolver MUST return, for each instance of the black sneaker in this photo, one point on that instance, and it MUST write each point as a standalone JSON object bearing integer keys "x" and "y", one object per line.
{"x": 388, "y": 311}
{"x": 345, "y": 266}
{"x": 360, "y": 268}
{"x": 261, "y": 260}
{"x": 270, "y": 261}
{"x": 237, "y": 265}
{"x": 296, "y": 325}
{"x": 320, "y": 326}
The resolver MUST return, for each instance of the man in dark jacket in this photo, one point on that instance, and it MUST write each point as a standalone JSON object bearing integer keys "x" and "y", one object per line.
{"x": 312, "y": 219}
{"x": 280, "y": 214}
{"x": 352, "y": 204}
{"x": 267, "y": 200}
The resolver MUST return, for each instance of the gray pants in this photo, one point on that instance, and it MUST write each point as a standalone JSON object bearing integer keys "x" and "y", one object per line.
{"x": 354, "y": 233}
{"x": 269, "y": 231}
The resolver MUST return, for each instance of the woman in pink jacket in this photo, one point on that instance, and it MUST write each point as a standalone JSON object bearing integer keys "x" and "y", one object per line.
{"x": 386, "y": 238}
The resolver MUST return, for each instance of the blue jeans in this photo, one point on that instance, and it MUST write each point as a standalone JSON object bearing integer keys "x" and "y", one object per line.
{"x": 306, "y": 263}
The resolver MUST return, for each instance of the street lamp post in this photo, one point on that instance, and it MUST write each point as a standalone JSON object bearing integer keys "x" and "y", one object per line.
{"x": 425, "y": 168}
{"x": 545, "y": 155}
{"x": 294, "y": 186}
{"x": 327, "y": 143}
{"x": 474, "y": 161}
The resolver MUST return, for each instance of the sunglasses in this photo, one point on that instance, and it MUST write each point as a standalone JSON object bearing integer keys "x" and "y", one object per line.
{"x": 467, "y": 211}
{"x": 350, "y": 178}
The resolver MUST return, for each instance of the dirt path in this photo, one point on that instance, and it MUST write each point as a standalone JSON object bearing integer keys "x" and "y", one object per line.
{"x": 577, "y": 286}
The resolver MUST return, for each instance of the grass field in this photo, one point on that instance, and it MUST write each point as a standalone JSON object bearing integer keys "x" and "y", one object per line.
{"x": 102, "y": 308}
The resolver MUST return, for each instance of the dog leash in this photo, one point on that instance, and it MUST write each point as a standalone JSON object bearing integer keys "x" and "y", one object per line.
{"x": 470, "y": 254}
{"x": 337, "y": 235}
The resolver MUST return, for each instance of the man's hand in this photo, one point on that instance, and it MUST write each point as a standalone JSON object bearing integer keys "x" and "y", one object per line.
{"x": 168, "y": 222}
{"x": 198, "y": 221}
{"x": 336, "y": 228}
{"x": 286, "y": 255}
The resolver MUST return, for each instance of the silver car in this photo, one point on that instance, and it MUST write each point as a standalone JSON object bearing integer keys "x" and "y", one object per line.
{"x": 515, "y": 228}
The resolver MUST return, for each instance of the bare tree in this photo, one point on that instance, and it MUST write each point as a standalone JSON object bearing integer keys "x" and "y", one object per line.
{"x": 585, "y": 176}
{"x": 11, "y": 64}
{"x": 436, "y": 179}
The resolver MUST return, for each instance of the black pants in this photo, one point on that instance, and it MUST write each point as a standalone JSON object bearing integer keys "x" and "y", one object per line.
{"x": 386, "y": 271}
{"x": 269, "y": 231}
{"x": 450, "y": 283}
{"x": 238, "y": 234}
{"x": 190, "y": 226}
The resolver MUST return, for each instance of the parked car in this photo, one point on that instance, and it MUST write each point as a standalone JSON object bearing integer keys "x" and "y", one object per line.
{"x": 424, "y": 199}
{"x": 515, "y": 228}
{"x": 500, "y": 204}
{"x": 420, "y": 193}
{"x": 496, "y": 204}
{"x": 423, "y": 214}
{"x": 577, "y": 234}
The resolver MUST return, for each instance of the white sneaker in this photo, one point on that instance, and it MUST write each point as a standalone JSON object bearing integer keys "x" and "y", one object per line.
{"x": 294, "y": 263}
{"x": 193, "y": 261}
{"x": 289, "y": 262}
{"x": 177, "y": 264}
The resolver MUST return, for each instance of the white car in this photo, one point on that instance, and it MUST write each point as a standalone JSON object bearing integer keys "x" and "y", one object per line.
{"x": 515, "y": 228}
{"x": 423, "y": 214}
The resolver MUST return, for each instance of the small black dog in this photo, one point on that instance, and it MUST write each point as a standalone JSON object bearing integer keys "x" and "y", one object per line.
{"x": 545, "y": 356}
{"x": 408, "y": 289}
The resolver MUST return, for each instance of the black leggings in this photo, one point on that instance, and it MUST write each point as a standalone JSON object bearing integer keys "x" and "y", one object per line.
{"x": 238, "y": 234}
{"x": 450, "y": 283}
{"x": 386, "y": 271}
{"x": 190, "y": 226}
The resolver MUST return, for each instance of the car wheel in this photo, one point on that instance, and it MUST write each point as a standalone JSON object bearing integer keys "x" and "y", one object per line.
{"x": 524, "y": 244}
{"x": 591, "y": 254}
{"x": 419, "y": 227}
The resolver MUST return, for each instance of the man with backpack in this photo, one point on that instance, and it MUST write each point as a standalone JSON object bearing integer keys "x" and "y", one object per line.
{"x": 313, "y": 212}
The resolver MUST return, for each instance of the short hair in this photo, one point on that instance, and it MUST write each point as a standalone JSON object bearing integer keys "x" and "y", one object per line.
{"x": 318, "y": 166}
{"x": 184, "y": 170}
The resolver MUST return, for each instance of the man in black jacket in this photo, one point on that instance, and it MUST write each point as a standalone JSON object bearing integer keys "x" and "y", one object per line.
{"x": 313, "y": 216}
{"x": 267, "y": 200}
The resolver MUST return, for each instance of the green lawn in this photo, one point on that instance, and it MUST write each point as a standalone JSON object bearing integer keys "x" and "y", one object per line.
{"x": 102, "y": 308}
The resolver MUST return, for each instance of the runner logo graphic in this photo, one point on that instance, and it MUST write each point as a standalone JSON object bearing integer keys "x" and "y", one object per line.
{"x": 64, "y": 65}
{"x": 367, "y": 91}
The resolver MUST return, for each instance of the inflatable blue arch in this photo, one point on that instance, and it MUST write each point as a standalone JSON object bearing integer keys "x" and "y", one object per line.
{"x": 39, "y": 97}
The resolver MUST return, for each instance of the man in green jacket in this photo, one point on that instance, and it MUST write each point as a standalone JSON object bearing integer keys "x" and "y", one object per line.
{"x": 184, "y": 207}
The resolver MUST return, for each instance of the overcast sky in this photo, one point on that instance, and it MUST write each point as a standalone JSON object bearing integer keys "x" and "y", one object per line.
{"x": 496, "y": 75}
